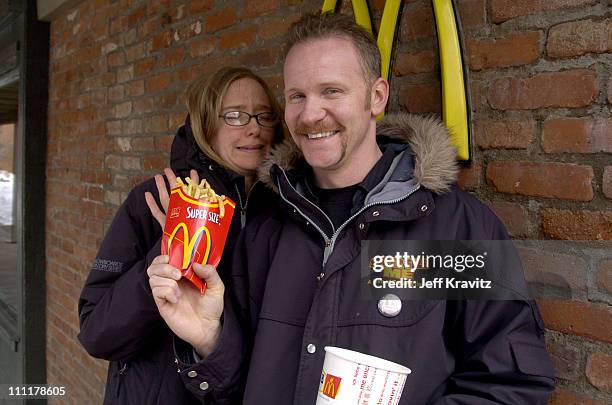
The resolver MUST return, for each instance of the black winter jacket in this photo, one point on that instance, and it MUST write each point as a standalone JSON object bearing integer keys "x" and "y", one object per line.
{"x": 118, "y": 316}
{"x": 298, "y": 288}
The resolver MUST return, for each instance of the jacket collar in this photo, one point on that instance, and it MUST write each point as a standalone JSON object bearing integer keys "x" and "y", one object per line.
{"x": 430, "y": 161}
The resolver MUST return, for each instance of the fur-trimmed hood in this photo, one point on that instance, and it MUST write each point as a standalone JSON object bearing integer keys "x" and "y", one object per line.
{"x": 435, "y": 166}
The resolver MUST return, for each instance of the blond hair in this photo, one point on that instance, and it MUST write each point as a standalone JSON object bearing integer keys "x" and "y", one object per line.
{"x": 204, "y": 99}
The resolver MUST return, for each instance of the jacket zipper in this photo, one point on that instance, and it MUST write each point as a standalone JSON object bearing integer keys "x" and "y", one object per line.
{"x": 330, "y": 242}
{"x": 121, "y": 372}
{"x": 243, "y": 208}
{"x": 335, "y": 235}
{"x": 325, "y": 238}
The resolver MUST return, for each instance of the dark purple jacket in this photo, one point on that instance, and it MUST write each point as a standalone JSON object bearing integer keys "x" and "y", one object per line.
{"x": 118, "y": 317}
{"x": 296, "y": 289}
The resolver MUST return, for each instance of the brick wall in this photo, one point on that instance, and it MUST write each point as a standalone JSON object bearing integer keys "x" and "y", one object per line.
{"x": 540, "y": 90}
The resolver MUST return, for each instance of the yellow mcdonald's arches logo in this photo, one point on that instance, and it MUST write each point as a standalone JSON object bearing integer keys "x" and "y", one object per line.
{"x": 331, "y": 385}
{"x": 190, "y": 243}
{"x": 455, "y": 112}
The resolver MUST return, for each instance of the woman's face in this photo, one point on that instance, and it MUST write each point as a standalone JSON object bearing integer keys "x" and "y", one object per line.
{"x": 244, "y": 146}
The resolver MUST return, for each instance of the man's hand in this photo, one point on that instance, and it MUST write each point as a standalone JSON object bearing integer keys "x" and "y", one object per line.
{"x": 193, "y": 317}
{"x": 160, "y": 213}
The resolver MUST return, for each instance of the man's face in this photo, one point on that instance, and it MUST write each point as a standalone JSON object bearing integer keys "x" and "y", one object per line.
{"x": 328, "y": 105}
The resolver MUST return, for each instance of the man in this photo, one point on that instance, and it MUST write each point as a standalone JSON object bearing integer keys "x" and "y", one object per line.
{"x": 296, "y": 287}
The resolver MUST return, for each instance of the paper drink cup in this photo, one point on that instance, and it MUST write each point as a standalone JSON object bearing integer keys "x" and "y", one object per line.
{"x": 195, "y": 233}
{"x": 353, "y": 378}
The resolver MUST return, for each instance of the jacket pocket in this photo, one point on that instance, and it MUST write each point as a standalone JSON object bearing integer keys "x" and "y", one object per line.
{"x": 531, "y": 359}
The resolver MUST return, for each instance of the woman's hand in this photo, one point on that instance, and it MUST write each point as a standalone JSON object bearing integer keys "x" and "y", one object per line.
{"x": 193, "y": 317}
{"x": 160, "y": 213}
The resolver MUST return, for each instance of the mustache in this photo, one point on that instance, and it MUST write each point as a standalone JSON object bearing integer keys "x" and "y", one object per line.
{"x": 313, "y": 129}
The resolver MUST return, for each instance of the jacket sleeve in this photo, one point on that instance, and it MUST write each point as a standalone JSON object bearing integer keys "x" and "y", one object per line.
{"x": 499, "y": 346}
{"x": 117, "y": 313}
{"x": 501, "y": 356}
{"x": 219, "y": 378}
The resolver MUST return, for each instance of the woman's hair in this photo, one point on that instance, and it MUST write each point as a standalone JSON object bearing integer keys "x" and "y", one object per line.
{"x": 204, "y": 99}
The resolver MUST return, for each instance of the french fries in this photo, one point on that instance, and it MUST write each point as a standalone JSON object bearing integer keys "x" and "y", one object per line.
{"x": 202, "y": 192}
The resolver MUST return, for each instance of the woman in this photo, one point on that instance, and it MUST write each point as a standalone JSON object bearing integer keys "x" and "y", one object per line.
{"x": 233, "y": 120}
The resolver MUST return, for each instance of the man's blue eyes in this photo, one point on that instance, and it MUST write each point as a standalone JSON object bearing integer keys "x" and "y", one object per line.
{"x": 325, "y": 92}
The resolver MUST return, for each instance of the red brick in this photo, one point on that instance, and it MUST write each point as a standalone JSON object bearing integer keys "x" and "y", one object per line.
{"x": 566, "y": 359}
{"x": 515, "y": 49}
{"x": 278, "y": 26}
{"x": 198, "y": 6}
{"x": 132, "y": 126}
{"x": 153, "y": 24}
{"x": 577, "y": 38}
{"x": 137, "y": 15}
{"x": 579, "y": 135}
{"x": 172, "y": 57}
{"x": 604, "y": 276}
{"x": 606, "y": 181}
{"x": 599, "y": 371}
{"x": 163, "y": 143}
{"x": 469, "y": 176}
{"x": 552, "y": 180}
{"x": 502, "y": 10}
{"x": 513, "y": 215}
{"x": 202, "y": 48}
{"x": 514, "y": 134}
{"x": 472, "y": 14}
{"x": 116, "y": 93}
{"x": 578, "y": 318}
{"x": 577, "y": 225}
{"x": 123, "y": 110}
{"x": 130, "y": 163}
{"x": 258, "y": 59}
{"x": 135, "y": 52}
{"x": 143, "y": 144}
{"x": 238, "y": 39}
{"x": 417, "y": 23}
{"x": 144, "y": 66}
{"x": 572, "y": 88}
{"x": 155, "y": 162}
{"x": 222, "y": 19}
{"x": 167, "y": 100}
{"x": 158, "y": 82}
{"x": 143, "y": 105}
{"x": 478, "y": 94}
{"x": 416, "y": 62}
{"x": 554, "y": 269}
{"x": 421, "y": 98}
{"x": 134, "y": 88}
{"x": 161, "y": 41}
{"x": 112, "y": 162}
{"x": 125, "y": 74}
{"x": 156, "y": 123}
{"x": 116, "y": 58}
{"x": 563, "y": 397}
{"x": 254, "y": 8}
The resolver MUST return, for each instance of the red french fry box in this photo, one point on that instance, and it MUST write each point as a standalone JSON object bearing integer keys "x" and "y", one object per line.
{"x": 195, "y": 233}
